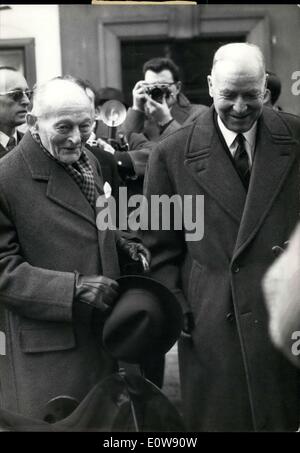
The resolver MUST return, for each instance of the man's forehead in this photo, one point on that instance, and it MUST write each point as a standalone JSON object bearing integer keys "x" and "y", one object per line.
{"x": 238, "y": 74}
{"x": 165, "y": 76}
{"x": 73, "y": 113}
{"x": 11, "y": 80}
{"x": 238, "y": 67}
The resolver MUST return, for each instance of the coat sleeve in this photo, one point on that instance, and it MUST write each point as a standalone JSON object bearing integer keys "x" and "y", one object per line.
{"x": 134, "y": 122}
{"x": 30, "y": 291}
{"x": 167, "y": 245}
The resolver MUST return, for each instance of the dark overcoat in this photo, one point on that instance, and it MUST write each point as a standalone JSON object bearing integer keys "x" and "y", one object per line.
{"x": 232, "y": 377}
{"x": 48, "y": 230}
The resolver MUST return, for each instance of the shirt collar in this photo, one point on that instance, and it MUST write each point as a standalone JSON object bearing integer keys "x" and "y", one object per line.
{"x": 229, "y": 136}
{"x": 5, "y": 138}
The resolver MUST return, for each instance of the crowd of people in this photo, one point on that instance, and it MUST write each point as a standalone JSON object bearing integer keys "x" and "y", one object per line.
{"x": 237, "y": 352}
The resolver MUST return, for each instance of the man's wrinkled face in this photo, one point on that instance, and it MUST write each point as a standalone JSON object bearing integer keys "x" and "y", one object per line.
{"x": 12, "y": 112}
{"x": 238, "y": 94}
{"x": 164, "y": 77}
{"x": 63, "y": 132}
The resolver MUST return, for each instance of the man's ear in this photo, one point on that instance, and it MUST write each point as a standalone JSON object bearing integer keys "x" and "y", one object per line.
{"x": 267, "y": 97}
{"x": 210, "y": 85}
{"x": 179, "y": 86}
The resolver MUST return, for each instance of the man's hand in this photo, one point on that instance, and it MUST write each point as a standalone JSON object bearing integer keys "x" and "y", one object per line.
{"x": 105, "y": 146}
{"x": 138, "y": 94}
{"x": 160, "y": 112}
{"x": 96, "y": 290}
{"x": 136, "y": 251}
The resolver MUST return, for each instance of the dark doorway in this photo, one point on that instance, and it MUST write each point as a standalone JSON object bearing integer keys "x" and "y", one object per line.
{"x": 193, "y": 56}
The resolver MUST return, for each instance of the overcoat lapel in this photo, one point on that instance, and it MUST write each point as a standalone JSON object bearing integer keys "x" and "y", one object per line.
{"x": 210, "y": 166}
{"x": 61, "y": 188}
{"x": 3, "y": 151}
{"x": 274, "y": 156}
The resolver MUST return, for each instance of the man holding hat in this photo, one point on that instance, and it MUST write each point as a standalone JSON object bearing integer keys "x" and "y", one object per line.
{"x": 57, "y": 270}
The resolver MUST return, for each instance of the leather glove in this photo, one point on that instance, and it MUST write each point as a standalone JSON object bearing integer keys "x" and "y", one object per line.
{"x": 136, "y": 251}
{"x": 96, "y": 290}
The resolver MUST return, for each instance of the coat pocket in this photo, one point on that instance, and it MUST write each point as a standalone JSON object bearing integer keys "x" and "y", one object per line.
{"x": 56, "y": 338}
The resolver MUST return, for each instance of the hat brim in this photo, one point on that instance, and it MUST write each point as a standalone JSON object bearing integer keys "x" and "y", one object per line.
{"x": 171, "y": 321}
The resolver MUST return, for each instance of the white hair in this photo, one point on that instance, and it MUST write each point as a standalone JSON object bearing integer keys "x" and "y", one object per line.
{"x": 46, "y": 95}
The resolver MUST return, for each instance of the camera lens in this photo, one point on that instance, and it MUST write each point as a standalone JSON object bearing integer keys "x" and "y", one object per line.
{"x": 157, "y": 94}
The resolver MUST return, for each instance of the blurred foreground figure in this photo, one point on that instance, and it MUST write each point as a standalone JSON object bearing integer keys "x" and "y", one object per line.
{"x": 282, "y": 292}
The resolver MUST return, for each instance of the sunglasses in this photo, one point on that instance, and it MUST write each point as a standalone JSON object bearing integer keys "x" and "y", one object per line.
{"x": 17, "y": 95}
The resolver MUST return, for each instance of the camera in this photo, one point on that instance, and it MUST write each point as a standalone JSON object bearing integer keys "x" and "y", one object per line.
{"x": 158, "y": 91}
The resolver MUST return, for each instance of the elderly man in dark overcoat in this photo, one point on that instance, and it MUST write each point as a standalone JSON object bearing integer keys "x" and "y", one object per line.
{"x": 57, "y": 266}
{"x": 244, "y": 160}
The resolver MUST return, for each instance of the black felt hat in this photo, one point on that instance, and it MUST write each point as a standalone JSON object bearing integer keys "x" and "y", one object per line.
{"x": 146, "y": 320}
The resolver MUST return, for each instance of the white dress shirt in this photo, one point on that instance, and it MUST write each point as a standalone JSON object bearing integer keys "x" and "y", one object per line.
{"x": 231, "y": 142}
{"x": 4, "y": 139}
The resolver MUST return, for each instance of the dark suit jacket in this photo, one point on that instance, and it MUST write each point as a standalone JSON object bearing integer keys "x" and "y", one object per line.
{"x": 3, "y": 151}
{"x": 109, "y": 168}
{"x": 232, "y": 377}
{"x": 48, "y": 230}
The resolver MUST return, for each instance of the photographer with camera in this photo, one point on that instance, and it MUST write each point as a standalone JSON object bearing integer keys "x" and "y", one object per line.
{"x": 159, "y": 107}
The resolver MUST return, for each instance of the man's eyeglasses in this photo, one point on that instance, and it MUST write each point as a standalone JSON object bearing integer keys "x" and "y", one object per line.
{"x": 17, "y": 95}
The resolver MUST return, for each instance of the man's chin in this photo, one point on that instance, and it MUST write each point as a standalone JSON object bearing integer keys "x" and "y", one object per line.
{"x": 69, "y": 156}
{"x": 239, "y": 125}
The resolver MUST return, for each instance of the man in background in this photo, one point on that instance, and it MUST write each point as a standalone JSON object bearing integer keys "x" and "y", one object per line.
{"x": 159, "y": 107}
{"x": 14, "y": 100}
{"x": 273, "y": 90}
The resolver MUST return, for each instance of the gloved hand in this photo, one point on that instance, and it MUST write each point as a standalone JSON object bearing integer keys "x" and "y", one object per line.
{"x": 96, "y": 290}
{"x": 136, "y": 251}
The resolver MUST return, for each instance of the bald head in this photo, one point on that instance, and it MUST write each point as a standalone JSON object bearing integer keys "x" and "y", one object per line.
{"x": 241, "y": 55}
{"x": 61, "y": 118}
{"x": 237, "y": 85}
{"x": 58, "y": 94}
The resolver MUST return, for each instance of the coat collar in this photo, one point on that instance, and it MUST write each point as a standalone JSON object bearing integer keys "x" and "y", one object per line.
{"x": 208, "y": 163}
{"x": 210, "y": 166}
{"x": 61, "y": 188}
{"x": 276, "y": 151}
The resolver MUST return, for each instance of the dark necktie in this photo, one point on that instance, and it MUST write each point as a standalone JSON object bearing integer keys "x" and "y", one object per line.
{"x": 241, "y": 160}
{"x": 11, "y": 143}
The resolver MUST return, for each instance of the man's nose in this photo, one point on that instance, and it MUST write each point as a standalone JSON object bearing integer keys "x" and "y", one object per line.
{"x": 75, "y": 136}
{"x": 240, "y": 106}
{"x": 25, "y": 99}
